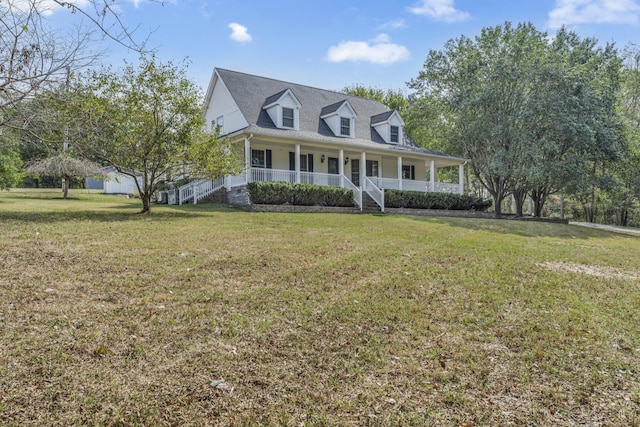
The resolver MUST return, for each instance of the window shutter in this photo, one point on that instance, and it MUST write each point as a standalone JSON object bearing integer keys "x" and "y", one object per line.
{"x": 268, "y": 159}
{"x": 413, "y": 172}
{"x": 310, "y": 162}
{"x": 292, "y": 161}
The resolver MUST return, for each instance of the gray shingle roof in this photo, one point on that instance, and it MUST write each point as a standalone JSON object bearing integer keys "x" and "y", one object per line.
{"x": 273, "y": 98}
{"x": 331, "y": 108}
{"x": 381, "y": 117}
{"x": 252, "y": 92}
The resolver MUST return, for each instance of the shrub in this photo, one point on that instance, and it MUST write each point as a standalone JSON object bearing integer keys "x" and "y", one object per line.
{"x": 419, "y": 200}
{"x": 279, "y": 193}
{"x": 272, "y": 193}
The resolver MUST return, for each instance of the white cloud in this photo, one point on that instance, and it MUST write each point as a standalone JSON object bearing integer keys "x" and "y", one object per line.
{"x": 394, "y": 24}
{"x": 568, "y": 12}
{"x": 45, "y": 7}
{"x": 440, "y": 10}
{"x": 378, "y": 50}
{"x": 239, "y": 33}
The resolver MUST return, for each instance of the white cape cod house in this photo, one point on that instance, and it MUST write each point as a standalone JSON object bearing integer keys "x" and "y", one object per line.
{"x": 295, "y": 133}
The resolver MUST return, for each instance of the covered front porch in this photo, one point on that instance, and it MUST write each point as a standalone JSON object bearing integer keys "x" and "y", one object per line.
{"x": 364, "y": 170}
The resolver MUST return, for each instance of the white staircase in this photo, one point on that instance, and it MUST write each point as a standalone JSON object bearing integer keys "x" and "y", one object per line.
{"x": 196, "y": 190}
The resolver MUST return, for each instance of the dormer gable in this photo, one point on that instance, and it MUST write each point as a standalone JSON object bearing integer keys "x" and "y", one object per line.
{"x": 340, "y": 117}
{"x": 284, "y": 109}
{"x": 389, "y": 126}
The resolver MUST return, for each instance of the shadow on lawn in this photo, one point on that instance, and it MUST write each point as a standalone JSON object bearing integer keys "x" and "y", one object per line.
{"x": 127, "y": 213}
{"x": 527, "y": 228}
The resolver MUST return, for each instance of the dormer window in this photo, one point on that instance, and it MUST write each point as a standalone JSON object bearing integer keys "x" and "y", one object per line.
{"x": 283, "y": 109}
{"x": 395, "y": 134}
{"x": 287, "y": 117}
{"x": 340, "y": 117}
{"x": 345, "y": 126}
{"x": 389, "y": 126}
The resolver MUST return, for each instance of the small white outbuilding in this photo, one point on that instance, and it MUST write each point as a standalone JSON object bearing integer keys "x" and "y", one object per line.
{"x": 115, "y": 182}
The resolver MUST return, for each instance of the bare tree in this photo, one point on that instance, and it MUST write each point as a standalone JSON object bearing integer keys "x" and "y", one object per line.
{"x": 34, "y": 56}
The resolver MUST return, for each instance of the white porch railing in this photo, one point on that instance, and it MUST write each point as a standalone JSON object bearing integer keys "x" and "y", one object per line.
{"x": 326, "y": 179}
{"x": 413, "y": 185}
{"x": 198, "y": 189}
{"x": 445, "y": 187}
{"x": 332, "y": 180}
{"x": 377, "y": 194}
{"x": 260, "y": 174}
{"x": 357, "y": 193}
{"x": 386, "y": 183}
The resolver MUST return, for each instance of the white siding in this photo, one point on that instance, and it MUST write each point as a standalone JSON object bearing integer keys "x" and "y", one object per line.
{"x": 119, "y": 184}
{"x": 389, "y": 167}
{"x": 222, "y": 104}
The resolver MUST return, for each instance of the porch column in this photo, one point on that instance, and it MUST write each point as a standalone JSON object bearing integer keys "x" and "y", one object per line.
{"x": 432, "y": 176}
{"x": 363, "y": 169}
{"x": 461, "y": 178}
{"x": 247, "y": 159}
{"x": 400, "y": 173}
{"x": 341, "y": 167}
{"x": 297, "y": 163}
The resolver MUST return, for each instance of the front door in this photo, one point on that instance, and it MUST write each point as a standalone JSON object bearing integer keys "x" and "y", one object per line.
{"x": 332, "y": 166}
{"x": 355, "y": 172}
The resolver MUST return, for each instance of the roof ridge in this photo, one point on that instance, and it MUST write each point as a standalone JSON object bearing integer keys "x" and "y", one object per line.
{"x": 300, "y": 84}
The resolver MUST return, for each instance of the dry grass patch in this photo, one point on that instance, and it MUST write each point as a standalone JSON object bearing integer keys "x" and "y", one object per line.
{"x": 111, "y": 318}
{"x": 592, "y": 270}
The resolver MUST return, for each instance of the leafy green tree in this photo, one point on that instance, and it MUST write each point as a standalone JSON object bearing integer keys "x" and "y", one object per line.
{"x": 147, "y": 119}
{"x": 533, "y": 116}
{"x": 626, "y": 194}
{"x": 10, "y": 162}
{"x": 482, "y": 86}
{"x": 576, "y": 125}
{"x": 392, "y": 99}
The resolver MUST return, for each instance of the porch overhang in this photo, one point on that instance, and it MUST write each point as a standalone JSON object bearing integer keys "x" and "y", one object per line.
{"x": 278, "y": 136}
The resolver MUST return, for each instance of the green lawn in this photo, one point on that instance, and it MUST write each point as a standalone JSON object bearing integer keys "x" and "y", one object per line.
{"x": 108, "y": 317}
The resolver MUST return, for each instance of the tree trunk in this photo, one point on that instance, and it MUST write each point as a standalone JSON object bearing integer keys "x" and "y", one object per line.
{"x": 539, "y": 197}
{"x": 519, "y": 197}
{"x": 624, "y": 217}
{"x": 65, "y": 187}
{"x": 497, "y": 200}
{"x": 590, "y": 212}
{"x": 538, "y": 204}
{"x": 146, "y": 202}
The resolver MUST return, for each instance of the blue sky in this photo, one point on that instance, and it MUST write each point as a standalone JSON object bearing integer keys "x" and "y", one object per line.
{"x": 336, "y": 43}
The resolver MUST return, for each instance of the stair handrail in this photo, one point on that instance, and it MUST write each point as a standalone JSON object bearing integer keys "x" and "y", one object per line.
{"x": 199, "y": 188}
{"x": 377, "y": 194}
{"x": 357, "y": 193}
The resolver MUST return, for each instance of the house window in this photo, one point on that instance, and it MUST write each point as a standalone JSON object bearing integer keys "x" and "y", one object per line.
{"x": 332, "y": 165}
{"x": 304, "y": 163}
{"x": 395, "y": 134}
{"x": 408, "y": 172}
{"x": 372, "y": 168}
{"x": 345, "y": 126}
{"x": 257, "y": 158}
{"x": 218, "y": 125}
{"x": 287, "y": 117}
